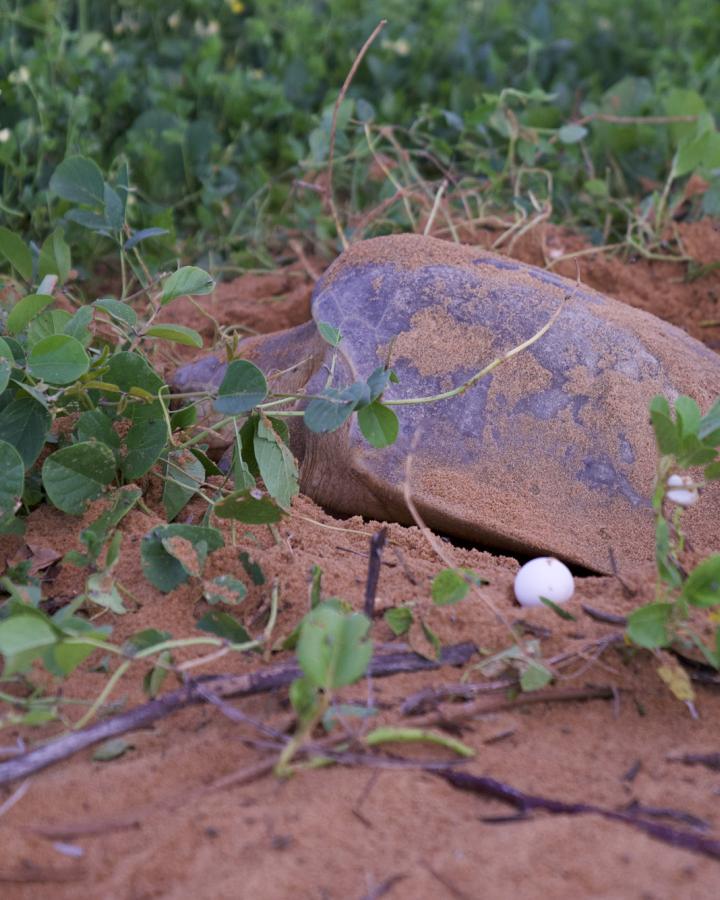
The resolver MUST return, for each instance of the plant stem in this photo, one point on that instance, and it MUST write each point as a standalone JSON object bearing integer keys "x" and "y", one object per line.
{"x": 103, "y": 695}
{"x": 466, "y": 385}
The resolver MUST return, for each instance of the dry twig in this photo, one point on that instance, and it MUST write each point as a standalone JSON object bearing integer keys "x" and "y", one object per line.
{"x": 333, "y": 128}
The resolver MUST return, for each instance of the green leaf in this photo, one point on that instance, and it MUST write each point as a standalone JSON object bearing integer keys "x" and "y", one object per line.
{"x": 161, "y": 567}
{"x": 572, "y": 134}
{"x": 693, "y": 452}
{"x": 242, "y": 388}
{"x": 243, "y": 478}
{"x": 709, "y": 430}
{"x": 75, "y": 475}
{"x": 379, "y": 424}
{"x": 94, "y": 425}
{"x": 276, "y": 463}
{"x": 79, "y": 180}
{"x": 5, "y": 370}
{"x": 183, "y": 418}
{"x": 12, "y": 479}
{"x": 6, "y": 351}
{"x": 451, "y": 585}
{"x": 23, "y": 637}
{"x": 333, "y": 408}
{"x": 702, "y": 586}
{"x": 25, "y": 423}
{"x": 184, "y": 476}
{"x": 55, "y": 257}
{"x": 130, "y": 370}
{"x": 102, "y": 590}
{"x": 329, "y": 334}
{"x": 534, "y": 677}
{"x": 400, "y": 618}
{"x": 333, "y": 649}
{"x": 187, "y": 281}
{"x": 648, "y": 626}
{"x": 699, "y": 152}
{"x": 77, "y": 326}
{"x": 378, "y": 381}
{"x": 143, "y": 235}
{"x": 683, "y": 102}
{"x": 112, "y": 749}
{"x": 25, "y": 310}
{"x": 688, "y": 415}
{"x": 211, "y": 468}
{"x": 712, "y": 472}
{"x": 144, "y": 640}
{"x": 558, "y": 610}
{"x": 252, "y": 569}
{"x": 179, "y": 334}
{"x": 596, "y": 187}
{"x": 224, "y": 626}
{"x": 224, "y": 589}
{"x": 247, "y": 440}
{"x": 117, "y": 310}
{"x": 17, "y": 253}
{"x": 49, "y": 322}
{"x": 90, "y": 220}
{"x": 145, "y": 441}
{"x": 666, "y": 432}
{"x": 667, "y": 569}
{"x": 98, "y": 531}
{"x": 316, "y": 575}
{"x": 114, "y": 208}
{"x": 153, "y": 680}
{"x": 249, "y": 507}
{"x": 58, "y": 359}
{"x": 63, "y": 658}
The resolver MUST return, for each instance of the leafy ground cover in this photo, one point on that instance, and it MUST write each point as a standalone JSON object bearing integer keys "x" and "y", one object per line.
{"x": 136, "y": 136}
{"x": 585, "y": 113}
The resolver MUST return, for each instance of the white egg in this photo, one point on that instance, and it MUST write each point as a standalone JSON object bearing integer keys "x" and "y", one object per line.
{"x": 543, "y": 577}
{"x": 681, "y": 490}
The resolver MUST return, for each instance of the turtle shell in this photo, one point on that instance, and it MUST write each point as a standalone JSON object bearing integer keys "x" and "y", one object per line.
{"x": 551, "y": 453}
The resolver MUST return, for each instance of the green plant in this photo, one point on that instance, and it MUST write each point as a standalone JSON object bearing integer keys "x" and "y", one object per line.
{"x": 527, "y": 108}
{"x": 333, "y": 650}
{"x": 688, "y": 445}
{"x": 85, "y": 415}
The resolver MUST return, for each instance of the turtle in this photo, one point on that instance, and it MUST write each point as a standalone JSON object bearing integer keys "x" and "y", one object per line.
{"x": 553, "y": 453}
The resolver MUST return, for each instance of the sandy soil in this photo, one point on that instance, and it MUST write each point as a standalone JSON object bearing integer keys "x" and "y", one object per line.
{"x": 179, "y": 814}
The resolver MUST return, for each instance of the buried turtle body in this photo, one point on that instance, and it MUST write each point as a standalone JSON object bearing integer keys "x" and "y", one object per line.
{"x": 551, "y": 453}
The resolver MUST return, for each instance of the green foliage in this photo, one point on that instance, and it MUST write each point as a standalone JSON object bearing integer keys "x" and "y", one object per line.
{"x": 250, "y": 507}
{"x": 333, "y": 407}
{"x": 242, "y": 389}
{"x": 12, "y": 478}
{"x": 225, "y": 626}
{"x": 452, "y": 585}
{"x": 184, "y": 476}
{"x": 399, "y": 618}
{"x": 98, "y": 532}
{"x": 235, "y": 105}
{"x": 687, "y": 440}
{"x": 333, "y": 649}
{"x": 173, "y": 553}
{"x": 225, "y": 589}
{"x": 75, "y": 475}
